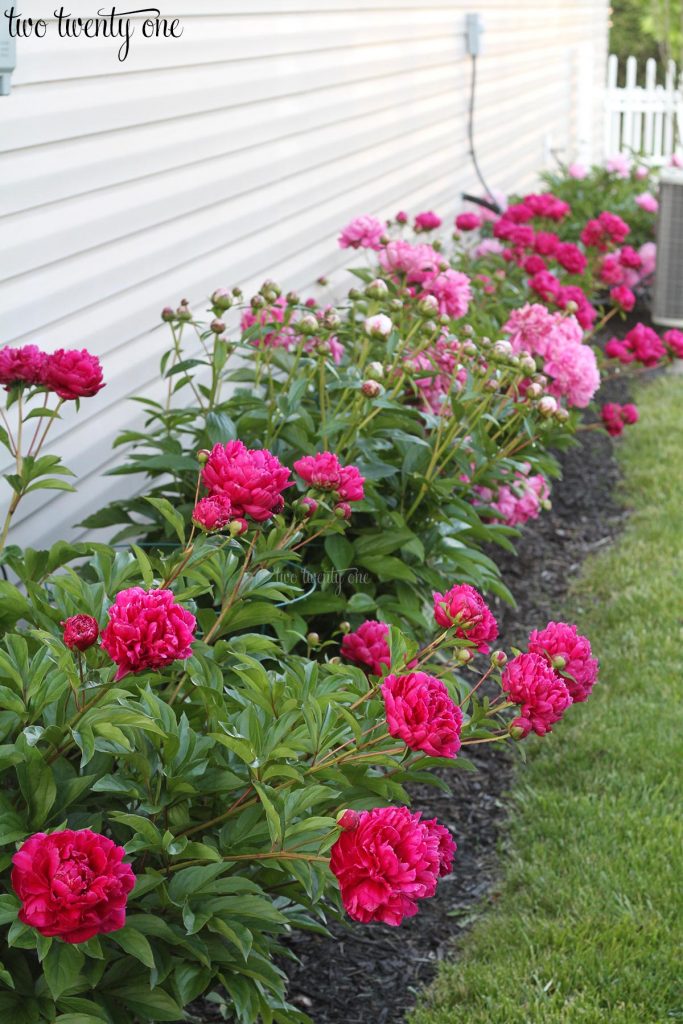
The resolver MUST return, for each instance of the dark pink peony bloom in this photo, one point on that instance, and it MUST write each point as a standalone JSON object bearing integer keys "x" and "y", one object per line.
{"x": 571, "y": 258}
{"x": 546, "y": 243}
{"x": 252, "y": 479}
{"x": 427, "y": 221}
{"x": 73, "y": 374}
{"x": 673, "y": 340}
{"x": 363, "y": 232}
{"x": 611, "y": 269}
{"x": 534, "y": 264}
{"x": 547, "y": 205}
{"x": 368, "y": 646}
{"x": 72, "y": 885}
{"x": 546, "y": 285}
{"x": 23, "y": 365}
{"x": 628, "y": 257}
{"x": 420, "y": 712}
{"x": 530, "y": 682}
{"x": 612, "y": 419}
{"x": 351, "y": 485}
{"x": 147, "y": 630}
{"x": 467, "y": 222}
{"x": 388, "y": 862}
{"x": 464, "y": 608}
{"x": 80, "y": 631}
{"x": 213, "y": 513}
{"x": 623, "y": 297}
{"x": 570, "y": 656}
{"x": 322, "y": 471}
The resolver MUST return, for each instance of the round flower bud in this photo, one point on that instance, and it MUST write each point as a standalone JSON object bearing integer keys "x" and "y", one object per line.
{"x": 572, "y": 307}
{"x": 184, "y": 312}
{"x": 503, "y": 349}
{"x": 528, "y": 364}
{"x": 80, "y": 632}
{"x": 203, "y": 456}
{"x": 396, "y": 305}
{"x": 331, "y": 319}
{"x": 561, "y": 415}
{"x": 257, "y": 302}
{"x": 377, "y": 289}
{"x": 401, "y": 217}
{"x": 469, "y": 348}
{"x": 167, "y": 315}
{"x": 375, "y": 370}
{"x": 221, "y": 299}
{"x": 491, "y": 385}
{"x": 378, "y": 326}
{"x": 430, "y": 327}
{"x": 270, "y": 287}
{"x": 293, "y": 298}
{"x": 547, "y": 406}
{"x": 558, "y": 661}
{"x": 323, "y": 282}
{"x": 238, "y": 527}
{"x": 307, "y": 507}
{"x": 344, "y": 627}
{"x": 237, "y": 292}
{"x": 428, "y": 306}
{"x": 468, "y": 329}
{"x": 546, "y": 504}
{"x": 498, "y": 658}
{"x": 308, "y": 325}
{"x": 313, "y": 639}
{"x": 534, "y": 391}
{"x": 540, "y": 378}
{"x": 217, "y": 326}
{"x": 371, "y": 388}
{"x": 464, "y": 656}
{"x": 517, "y": 729}
{"x": 348, "y": 820}
{"x": 343, "y": 510}
{"x": 355, "y": 294}
{"x": 444, "y": 320}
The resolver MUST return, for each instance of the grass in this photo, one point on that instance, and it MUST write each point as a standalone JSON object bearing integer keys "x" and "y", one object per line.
{"x": 589, "y": 925}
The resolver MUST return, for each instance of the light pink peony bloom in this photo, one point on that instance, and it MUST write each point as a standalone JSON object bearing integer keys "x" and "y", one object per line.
{"x": 422, "y": 714}
{"x": 489, "y": 247}
{"x": 646, "y": 201}
{"x": 573, "y": 369}
{"x": 417, "y": 263}
{"x": 453, "y": 292}
{"x": 389, "y": 861}
{"x": 464, "y": 608}
{"x": 363, "y": 232}
{"x": 530, "y": 328}
{"x": 253, "y": 479}
{"x": 619, "y": 165}
{"x": 530, "y": 682}
{"x": 577, "y": 171}
{"x": 147, "y": 630}
{"x": 569, "y": 655}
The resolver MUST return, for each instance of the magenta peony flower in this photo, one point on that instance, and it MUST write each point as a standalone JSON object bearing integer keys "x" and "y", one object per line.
{"x": 623, "y": 297}
{"x": 351, "y": 486}
{"x": 545, "y": 204}
{"x": 611, "y": 268}
{"x": 147, "y": 630}
{"x": 362, "y": 233}
{"x": 571, "y": 258}
{"x": 673, "y": 340}
{"x": 546, "y": 243}
{"x": 322, "y": 471}
{"x": 213, "y": 513}
{"x": 641, "y": 344}
{"x": 569, "y": 655}
{"x": 72, "y": 885}
{"x": 628, "y": 257}
{"x": 529, "y": 681}
{"x": 388, "y": 862}
{"x": 546, "y": 285}
{"x": 80, "y": 631}
{"x": 586, "y": 314}
{"x": 72, "y": 374}
{"x": 420, "y": 712}
{"x": 253, "y": 479}
{"x": 21, "y": 366}
{"x": 368, "y": 646}
{"x": 612, "y": 419}
{"x": 464, "y": 608}
{"x": 452, "y": 291}
{"x": 427, "y": 221}
{"x": 467, "y": 222}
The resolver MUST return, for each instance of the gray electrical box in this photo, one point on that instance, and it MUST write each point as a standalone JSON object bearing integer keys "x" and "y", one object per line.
{"x": 8, "y": 57}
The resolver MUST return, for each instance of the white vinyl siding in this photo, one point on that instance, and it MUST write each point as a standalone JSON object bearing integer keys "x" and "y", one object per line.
{"x": 237, "y": 152}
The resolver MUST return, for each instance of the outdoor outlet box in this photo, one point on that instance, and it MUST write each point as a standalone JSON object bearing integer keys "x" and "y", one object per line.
{"x": 8, "y": 57}
{"x": 473, "y": 33}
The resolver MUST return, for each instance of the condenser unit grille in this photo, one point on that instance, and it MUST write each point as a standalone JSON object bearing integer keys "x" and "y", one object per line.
{"x": 668, "y": 287}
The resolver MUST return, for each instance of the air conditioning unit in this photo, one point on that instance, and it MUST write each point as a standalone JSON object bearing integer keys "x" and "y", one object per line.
{"x": 667, "y": 297}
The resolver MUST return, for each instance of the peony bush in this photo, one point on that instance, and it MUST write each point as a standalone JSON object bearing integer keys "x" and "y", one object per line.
{"x": 208, "y": 727}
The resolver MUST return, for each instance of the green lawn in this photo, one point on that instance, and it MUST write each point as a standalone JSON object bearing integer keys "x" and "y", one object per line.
{"x": 589, "y": 926}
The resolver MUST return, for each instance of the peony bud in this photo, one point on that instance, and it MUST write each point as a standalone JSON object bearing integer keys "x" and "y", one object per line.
{"x": 167, "y": 314}
{"x": 534, "y": 391}
{"x": 371, "y": 388}
{"x": 221, "y": 299}
{"x": 464, "y": 656}
{"x": 293, "y": 298}
{"x": 469, "y": 348}
{"x": 561, "y": 415}
{"x": 269, "y": 288}
{"x": 331, "y": 319}
{"x": 527, "y": 364}
{"x": 203, "y": 456}
{"x": 257, "y": 302}
{"x": 217, "y": 326}
{"x": 313, "y": 639}
{"x": 237, "y": 292}
{"x": 238, "y": 527}
{"x": 307, "y": 507}
{"x": 558, "y": 661}
{"x": 354, "y": 295}
{"x": 342, "y": 510}
{"x": 401, "y": 217}
{"x": 572, "y": 307}
{"x": 428, "y": 306}
{"x": 375, "y": 370}
{"x": 80, "y": 632}
{"x": 348, "y": 820}
{"x": 308, "y": 325}
{"x": 345, "y": 627}
{"x": 503, "y": 349}
{"x": 377, "y": 289}
{"x": 184, "y": 312}
{"x": 378, "y": 326}
{"x": 498, "y": 658}
{"x": 323, "y": 282}
{"x": 547, "y": 406}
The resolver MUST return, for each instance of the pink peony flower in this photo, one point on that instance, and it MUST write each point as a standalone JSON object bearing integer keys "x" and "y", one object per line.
{"x": 21, "y": 366}
{"x": 427, "y": 221}
{"x": 417, "y": 263}
{"x": 147, "y": 630}
{"x": 488, "y": 247}
{"x": 530, "y": 682}
{"x": 72, "y": 885}
{"x": 648, "y": 256}
{"x": 577, "y": 171}
{"x": 72, "y": 374}
{"x": 546, "y": 243}
{"x": 464, "y": 608}
{"x": 569, "y": 655}
{"x": 673, "y": 340}
{"x": 676, "y": 160}
{"x": 363, "y": 232}
{"x": 80, "y": 631}
{"x": 641, "y": 344}
{"x": 467, "y": 222}
{"x": 646, "y": 201}
{"x": 388, "y": 862}
{"x": 607, "y": 228}
{"x": 453, "y": 292}
{"x": 546, "y": 285}
{"x": 628, "y": 257}
{"x": 351, "y": 486}
{"x": 545, "y": 204}
{"x": 518, "y": 213}
{"x": 570, "y": 257}
{"x": 368, "y": 646}
{"x": 519, "y": 502}
{"x": 623, "y": 297}
{"x": 420, "y": 712}
{"x": 213, "y": 513}
{"x": 252, "y": 479}
{"x": 615, "y": 417}
{"x": 619, "y": 165}
{"x": 282, "y": 337}
{"x": 611, "y": 269}
{"x": 574, "y": 371}
{"x": 529, "y": 328}
{"x": 322, "y": 471}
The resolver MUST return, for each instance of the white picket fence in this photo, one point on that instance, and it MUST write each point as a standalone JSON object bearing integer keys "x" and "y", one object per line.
{"x": 643, "y": 117}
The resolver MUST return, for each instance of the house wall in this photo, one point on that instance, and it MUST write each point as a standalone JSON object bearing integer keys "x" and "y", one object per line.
{"x": 237, "y": 152}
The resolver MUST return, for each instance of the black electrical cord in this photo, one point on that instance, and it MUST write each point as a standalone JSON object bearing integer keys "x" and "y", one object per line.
{"x": 493, "y": 205}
